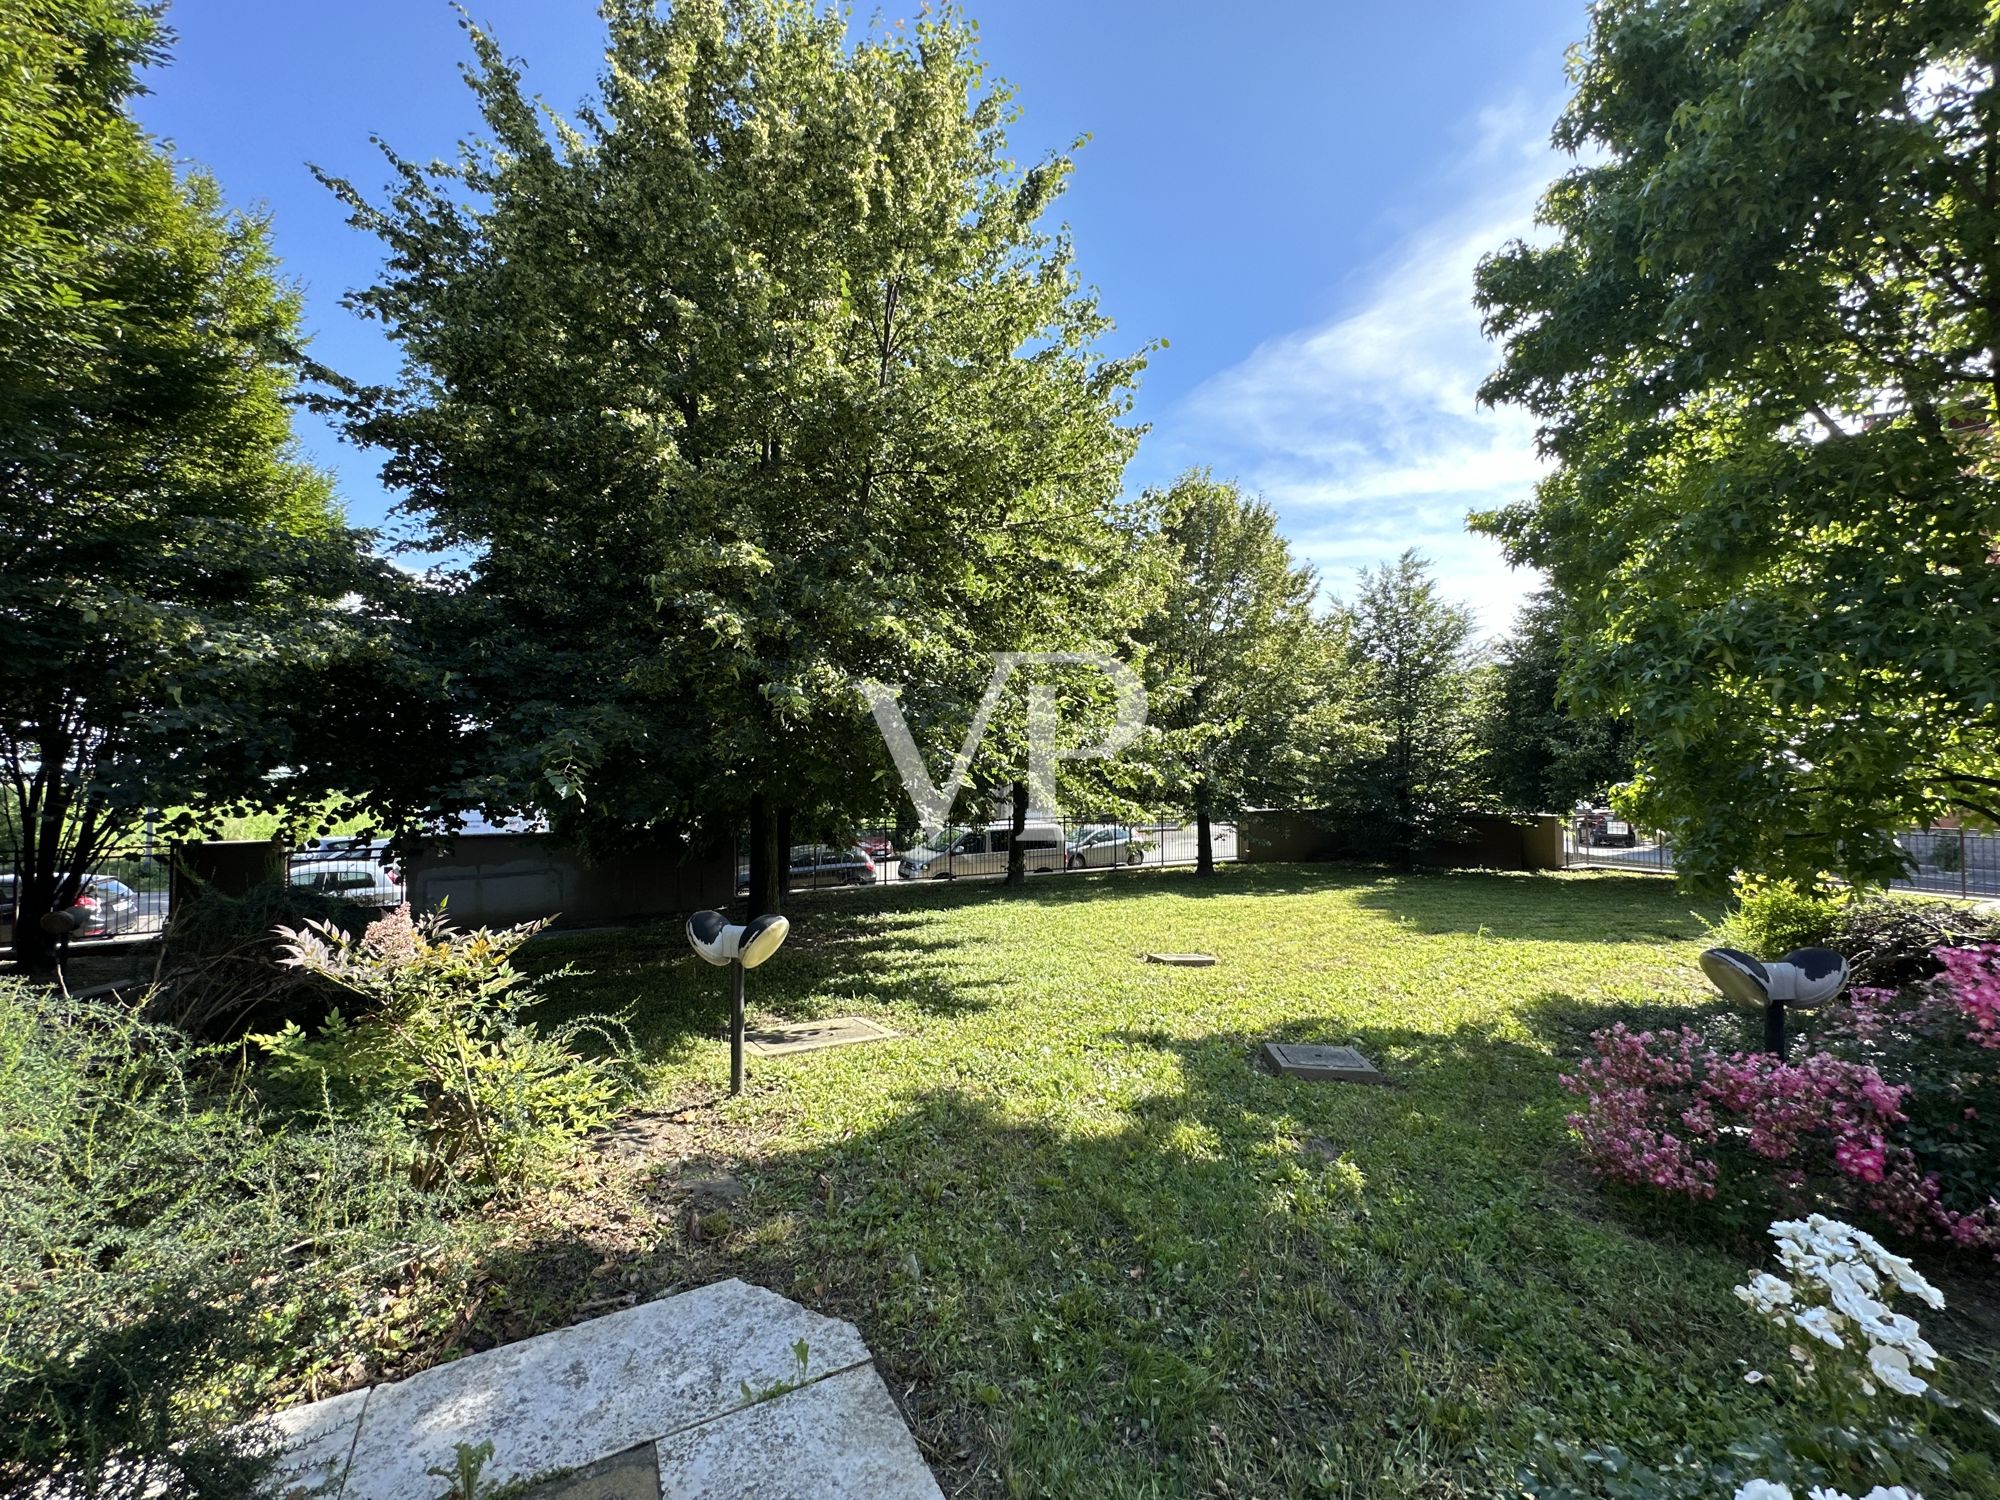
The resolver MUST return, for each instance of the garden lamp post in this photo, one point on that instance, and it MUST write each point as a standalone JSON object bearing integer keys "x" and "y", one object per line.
{"x": 1803, "y": 978}
{"x": 739, "y": 946}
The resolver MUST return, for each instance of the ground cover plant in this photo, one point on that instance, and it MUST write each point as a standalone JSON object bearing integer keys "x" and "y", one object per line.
{"x": 1099, "y": 1253}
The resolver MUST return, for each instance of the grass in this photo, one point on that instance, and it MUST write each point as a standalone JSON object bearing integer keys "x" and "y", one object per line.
{"x": 1098, "y": 1253}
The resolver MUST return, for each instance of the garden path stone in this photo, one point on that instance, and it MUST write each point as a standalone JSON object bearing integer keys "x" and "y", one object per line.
{"x": 839, "y": 1439}
{"x": 810, "y": 1036}
{"x": 1183, "y": 960}
{"x": 318, "y": 1442}
{"x": 569, "y": 1398}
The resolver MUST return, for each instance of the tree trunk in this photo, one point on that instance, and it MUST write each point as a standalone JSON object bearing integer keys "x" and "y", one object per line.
{"x": 1017, "y": 857}
{"x": 1204, "y": 837}
{"x": 764, "y": 894}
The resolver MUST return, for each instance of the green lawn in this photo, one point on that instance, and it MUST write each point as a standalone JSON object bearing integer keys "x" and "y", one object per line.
{"x": 1098, "y": 1252}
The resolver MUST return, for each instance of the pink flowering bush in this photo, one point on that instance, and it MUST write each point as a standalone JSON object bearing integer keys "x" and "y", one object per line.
{"x": 1890, "y": 1108}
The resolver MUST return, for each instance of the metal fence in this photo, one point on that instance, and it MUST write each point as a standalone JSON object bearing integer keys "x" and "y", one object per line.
{"x": 1951, "y": 862}
{"x": 883, "y": 855}
{"x": 1942, "y": 861}
{"x": 129, "y": 892}
{"x": 1615, "y": 846}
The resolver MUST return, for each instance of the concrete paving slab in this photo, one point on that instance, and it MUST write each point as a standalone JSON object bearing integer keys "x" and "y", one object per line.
{"x": 841, "y": 1438}
{"x": 568, "y": 1398}
{"x": 810, "y": 1036}
{"x": 1183, "y": 960}
{"x": 631, "y": 1475}
{"x": 317, "y": 1442}
{"x": 1321, "y": 1064}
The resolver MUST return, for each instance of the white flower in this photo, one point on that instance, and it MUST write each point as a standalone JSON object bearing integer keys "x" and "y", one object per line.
{"x": 1820, "y": 1492}
{"x": 1891, "y": 1492}
{"x": 1766, "y": 1292}
{"x": 1763, "y": 1489}
{"x": 1892, "y": 1367}
{"x": 1754, "y": 1377}
{"x": 1821, "y": 1324}
{"x": 1850, "y": 1293}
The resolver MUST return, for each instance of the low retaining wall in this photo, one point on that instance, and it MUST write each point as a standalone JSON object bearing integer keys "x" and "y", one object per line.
{"x": 1495, "y": 842}
{"x": 490, "y": 879}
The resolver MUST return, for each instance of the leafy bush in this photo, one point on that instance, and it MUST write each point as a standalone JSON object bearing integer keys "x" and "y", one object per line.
{"x": 492, "y": 1097}
{"x": 1891, "y": 941}
{"x": 161, "y": 1252}
{"x": 1896, "y": 1113}
{"x": 1772, "y": 917}
{"x": 220, "y": 970}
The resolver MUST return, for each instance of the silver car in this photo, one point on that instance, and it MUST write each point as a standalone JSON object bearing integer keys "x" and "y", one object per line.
{"x": 1111, "y": 844}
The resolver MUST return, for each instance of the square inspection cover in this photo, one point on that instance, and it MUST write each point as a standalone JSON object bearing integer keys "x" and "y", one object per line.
{"x": 810, "y": 1036}
{"x": 1321, "y": 1064}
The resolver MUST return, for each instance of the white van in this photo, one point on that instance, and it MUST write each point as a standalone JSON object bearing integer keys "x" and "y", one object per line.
{"x": 983, "y": 851}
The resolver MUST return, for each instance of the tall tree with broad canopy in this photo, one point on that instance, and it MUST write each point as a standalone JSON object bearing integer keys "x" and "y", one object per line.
{"x": 1422, "y": 694}
{"x": 1237, "y": 666}
{"x": 168, "y": 599}
{"x": 757, "y": 378}
{"x": 1761, "y": 345}
{"x": 1544, "y": 753}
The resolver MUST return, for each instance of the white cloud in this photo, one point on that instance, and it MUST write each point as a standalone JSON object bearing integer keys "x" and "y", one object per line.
{"x": 1365, "y": 432}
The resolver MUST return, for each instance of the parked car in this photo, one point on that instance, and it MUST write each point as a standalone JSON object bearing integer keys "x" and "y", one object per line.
{"x": 1600, "y": 826}
{"x": 983, "y": 851}
{"x": 815, "y": 865}
{"x": 350, "y": 870}
{"x": 1108, "y": 844}
{"x": 108, "y": 906}
{"x": 877, "y": 846}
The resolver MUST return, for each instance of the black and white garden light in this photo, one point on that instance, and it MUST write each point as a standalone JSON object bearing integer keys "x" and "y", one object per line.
{"x": 739, "y": 946}
{"x": 1802, "y": 979}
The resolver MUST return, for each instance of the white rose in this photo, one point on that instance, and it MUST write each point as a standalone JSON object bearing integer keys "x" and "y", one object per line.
{"x": 1892, "y": 1368}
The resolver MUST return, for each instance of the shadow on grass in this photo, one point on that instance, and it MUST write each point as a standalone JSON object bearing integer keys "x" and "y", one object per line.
{"x": 1534, "y": 907}
{"x": 1220, "y": 1281}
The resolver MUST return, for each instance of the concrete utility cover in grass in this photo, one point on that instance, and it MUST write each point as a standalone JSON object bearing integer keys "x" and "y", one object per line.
{"x": 1321, "y": 1064}
{"x": 810, "y": 1036}
{"x": 1182, "y": 960}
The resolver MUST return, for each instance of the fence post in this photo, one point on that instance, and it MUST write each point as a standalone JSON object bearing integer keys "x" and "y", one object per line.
{"x": 1963, "y": 889}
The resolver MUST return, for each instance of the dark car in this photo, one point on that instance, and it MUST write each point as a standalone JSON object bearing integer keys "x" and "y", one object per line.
{"x": 108, "y": 906}
{"x": 818, "y": 865}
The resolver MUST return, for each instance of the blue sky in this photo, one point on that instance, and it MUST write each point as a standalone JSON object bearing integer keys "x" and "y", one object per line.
{"x": 1292, "y": 194}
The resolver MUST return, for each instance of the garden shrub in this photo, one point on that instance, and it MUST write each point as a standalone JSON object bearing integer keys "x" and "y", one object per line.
{"x": 220, "y": 971}
{"x": 163, "y": 1253}
{"x": 1891, "y": 941}
{"x": 1893, "y": 1110}
{"x": 1772, "y": 917}
{"x": 492, "y": 1097}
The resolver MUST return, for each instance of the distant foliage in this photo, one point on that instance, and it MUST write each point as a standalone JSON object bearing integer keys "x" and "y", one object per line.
{"x": 492, "y": 1097}
{"x": 159, "y": 1248}
{"x": 1421, "y": 692}
{"x": 1544, "y": 752}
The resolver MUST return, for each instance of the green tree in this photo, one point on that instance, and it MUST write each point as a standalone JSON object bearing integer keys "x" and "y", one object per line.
{"x": 1236, "y": 664}
{"x": 757, "y": 378}
{"x": 1422, "y": 692}
{"x": 1761, "y": 345}
{"x": 171, "y": 567}
{"x": 1543, "y": 754}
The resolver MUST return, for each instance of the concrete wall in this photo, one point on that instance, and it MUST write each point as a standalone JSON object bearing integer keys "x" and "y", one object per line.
{"x": 1494, "y": 843}
{"x": 491, "y": 879}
